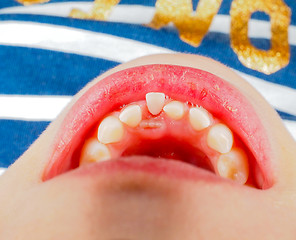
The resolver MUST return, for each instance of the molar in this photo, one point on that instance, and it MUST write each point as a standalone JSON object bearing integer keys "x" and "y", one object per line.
{"x": 220, "y": 138}
{"x": 174, "y": 110}
{"x": 93, "y": 151}
{"x": 110, "y": 130}
{"x": 199, "y": 118}
{"x": 155, "y": 102}
{"x": 131, "y": 115}
{"x": 234, "y": 165}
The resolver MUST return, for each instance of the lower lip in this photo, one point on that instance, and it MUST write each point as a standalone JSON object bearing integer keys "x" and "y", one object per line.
{"x": 180, "y": 83}
{"x": 156, "y": 167}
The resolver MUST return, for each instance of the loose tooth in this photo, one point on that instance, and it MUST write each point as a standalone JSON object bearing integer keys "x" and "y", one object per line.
{"x": 110, "y": 130}
{"x": 174, "y": 110}
{"x": 234, "y": 165}
{"x": 93, "y": 151}
{"x": 220, "y": 138}
{"x": 131, "y": 115}
{"x": 155, "y": 102}
{"x": 199, "y": 118}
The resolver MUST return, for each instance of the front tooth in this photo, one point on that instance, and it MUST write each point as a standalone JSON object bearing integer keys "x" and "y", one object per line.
{"x": 220, "y": 138}
{"x": 234, "y": 165}
{"x": 174, "y": 110}
{"x": 93, "y": 151}
{"x": 131, "y": 115}
{"x": 199, "y": 118}
{"x": 155, "y": 102}
{"x": 110, "y": 130}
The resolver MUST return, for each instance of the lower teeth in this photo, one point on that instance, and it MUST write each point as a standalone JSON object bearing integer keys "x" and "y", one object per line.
{"x": 192, "y": 125}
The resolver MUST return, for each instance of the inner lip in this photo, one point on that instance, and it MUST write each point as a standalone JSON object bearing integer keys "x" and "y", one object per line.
{"x": 182, "y": 83}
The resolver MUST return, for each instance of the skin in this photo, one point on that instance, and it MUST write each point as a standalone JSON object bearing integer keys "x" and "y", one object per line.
{"x": 82, "y": 204}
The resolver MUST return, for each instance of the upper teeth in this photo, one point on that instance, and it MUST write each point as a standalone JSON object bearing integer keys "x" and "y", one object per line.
{"x": 220, "y": 138}
{"x": 174, "y": 110}
{"x": 110, "y": 130}
{"x": 232, "y": 162}
{"x": 131, "y": 115}
{"x": 155, "y": 102}
{"x": 199, "y": 118}
{"x": 234, "y": 165}
{"x": 94, "y": 151}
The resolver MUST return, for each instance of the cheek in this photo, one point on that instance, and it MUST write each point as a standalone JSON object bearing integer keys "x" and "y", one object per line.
{"x": 51, "y": 211}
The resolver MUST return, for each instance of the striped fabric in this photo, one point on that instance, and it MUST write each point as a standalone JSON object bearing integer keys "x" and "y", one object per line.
{"x": 47, "y": 57}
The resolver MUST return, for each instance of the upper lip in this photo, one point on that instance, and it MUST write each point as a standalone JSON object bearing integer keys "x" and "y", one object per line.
{"x": 180, "y": 83}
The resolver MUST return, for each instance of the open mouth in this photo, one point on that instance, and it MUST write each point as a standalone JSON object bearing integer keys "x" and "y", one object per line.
{"x": 168, "y": 112}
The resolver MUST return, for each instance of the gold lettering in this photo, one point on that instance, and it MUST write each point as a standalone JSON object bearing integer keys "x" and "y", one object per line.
{"x": 278, "y": 56}
{"x": 30, "y": 2}
{"x": 192, "y": 26}
{"x": 100, "y": 11}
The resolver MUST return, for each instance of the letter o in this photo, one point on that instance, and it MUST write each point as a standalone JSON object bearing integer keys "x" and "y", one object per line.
{"x": 278, "y": 56}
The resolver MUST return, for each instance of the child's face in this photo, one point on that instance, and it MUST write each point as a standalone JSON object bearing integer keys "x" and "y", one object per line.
{"x": 153, "y": 198}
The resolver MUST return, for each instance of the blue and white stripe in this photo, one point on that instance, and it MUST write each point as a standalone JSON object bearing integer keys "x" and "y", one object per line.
{"x": 47, "y": 57}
